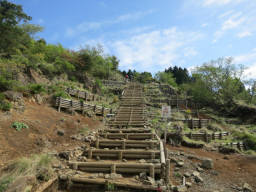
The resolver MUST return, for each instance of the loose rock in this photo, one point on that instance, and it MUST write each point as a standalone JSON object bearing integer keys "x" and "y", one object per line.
{"x": 207, "y": 164}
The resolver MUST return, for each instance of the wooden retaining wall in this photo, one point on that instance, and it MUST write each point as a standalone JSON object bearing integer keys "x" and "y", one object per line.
{"x": 80, "y": 106}
{"x": 207, "y": 137}
{"x": 113, "y": 83}
{"x": 120, "y": 154}
{"x": 174, "y": 102}
{"x": 125, "y": 144}
{"x": 123, "y": 168}
{"x": 238, "y": 145}
{"x": 193, "y": 123}
{"x": 83, "y": 94}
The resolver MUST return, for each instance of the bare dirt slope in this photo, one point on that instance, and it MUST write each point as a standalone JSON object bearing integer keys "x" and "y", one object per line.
{"x": 43, "y": 122}
{"x": 229, "y": 172}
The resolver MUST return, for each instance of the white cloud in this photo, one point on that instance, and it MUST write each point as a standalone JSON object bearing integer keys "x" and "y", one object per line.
{"x": 248, "y": 60}
{"x": 207, "y": 3}
{"x": 155, "y": 50}
{"x": 250, "y": 72}
{"x": 226, "y": 14}
{"x": 40, "y": 21}
{"x": 190, "y": 52}
{"x": 233, "y": 21}
{"x": 88, "y": 26}
{"x": 204, "y": 25}
{"x": 244, "y": 34}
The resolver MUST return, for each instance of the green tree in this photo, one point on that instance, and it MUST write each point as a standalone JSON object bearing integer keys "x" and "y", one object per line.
{"x": 10, "y": 16}
{"x": 166, "y": 78}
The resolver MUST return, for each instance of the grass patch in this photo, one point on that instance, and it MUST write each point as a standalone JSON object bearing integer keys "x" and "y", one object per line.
{"x": 188, "y": 140}
{"x": 19, "y": 126}
{"x": 39, "y": 165}
{"x": 4, "y": 183}
{"x": 84, "y": 130}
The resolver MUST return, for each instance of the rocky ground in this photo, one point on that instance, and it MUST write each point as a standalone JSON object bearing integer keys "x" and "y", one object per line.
{"x": 209, "y": 171}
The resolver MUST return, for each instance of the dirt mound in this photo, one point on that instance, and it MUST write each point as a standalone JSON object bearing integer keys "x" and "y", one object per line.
{"x": 42, "y": 135}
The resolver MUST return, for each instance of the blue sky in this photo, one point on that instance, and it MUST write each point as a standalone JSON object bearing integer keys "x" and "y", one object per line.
{"x": 151, "y": 35}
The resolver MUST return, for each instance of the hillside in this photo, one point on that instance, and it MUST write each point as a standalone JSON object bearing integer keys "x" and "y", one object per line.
{"x": 72, "y": 120}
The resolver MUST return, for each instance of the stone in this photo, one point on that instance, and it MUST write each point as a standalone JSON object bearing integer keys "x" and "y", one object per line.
{"x": 101, "y": 175}
{"x": 176, "y": 169}
{"x": 143, "y": 175}
{"x": 180, "y": 164}
{"x": 64, "y": 155}
{"x": 187, "y": 174}
{"x": 199, "y": 169}
{"x": 180, "y": 188}
{"x": 142, "y": 161}
{"x": 60, "y": 132}
{"x": 97, "y": 158}
{"x": 207, "y": 163}
{"x": 13, "y": 95}
{"x": 226, "y": 157}
{"x": 198, "y": 179}
{"x": 115, "y": 176}
{"x": 124, "y": 160}
{"x": 38, "y": 99}
{"x": 21, "y": 183}
{"x": 195, "y": 173}
{"x": 247, "y": 188}
{"x": 151, "y": 180}
{"x": 56, "y": 166}
{"x": 188, "y": 184}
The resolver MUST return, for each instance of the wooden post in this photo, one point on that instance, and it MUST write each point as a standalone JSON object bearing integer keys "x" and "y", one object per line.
{"x": 167, "y": 174}
{"x": 102, "y": 111}
{"x": 71, "y": 104}
{"x": 82, "y": 107}
{"x": 97, "y": 144}
{"x": 153, "y": 155}
{"x": 94, "y": 108}
{"x": 77, "y": 94}
{"x": 192, "y": 123}
{"x": 120, "y": 155}
{"x": 113, "y": 168}
{"x": 59, "y": 108}
{"x": 205, "y": 137}
{"x": 75, "y": 166}
{"x": 152, "y": 170}
{"x": 123, "y": 144}
{"x": 89, "y": 153}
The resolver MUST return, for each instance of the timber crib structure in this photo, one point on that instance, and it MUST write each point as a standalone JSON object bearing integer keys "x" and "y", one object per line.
{"x": 126, "y": 147}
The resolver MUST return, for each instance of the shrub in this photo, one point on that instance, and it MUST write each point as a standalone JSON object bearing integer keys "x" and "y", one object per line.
{"x": 36, "y": 88}
{"x": 4, "y": 182}
{"x": 248, "y": 139}
{"x": 62, "y": 94}
{"x": 19, "y": 126}
{"x": 4, "y": 104}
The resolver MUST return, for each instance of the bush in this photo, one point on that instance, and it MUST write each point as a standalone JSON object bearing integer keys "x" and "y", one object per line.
{"x": 19, "y": 126}
{"x": 4, "y": 104}
{"x": 4, "y": 182}
{"x": 62, "y": 94}
{"x": 248, "y": 139}
{"x": 36, "y": 88}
